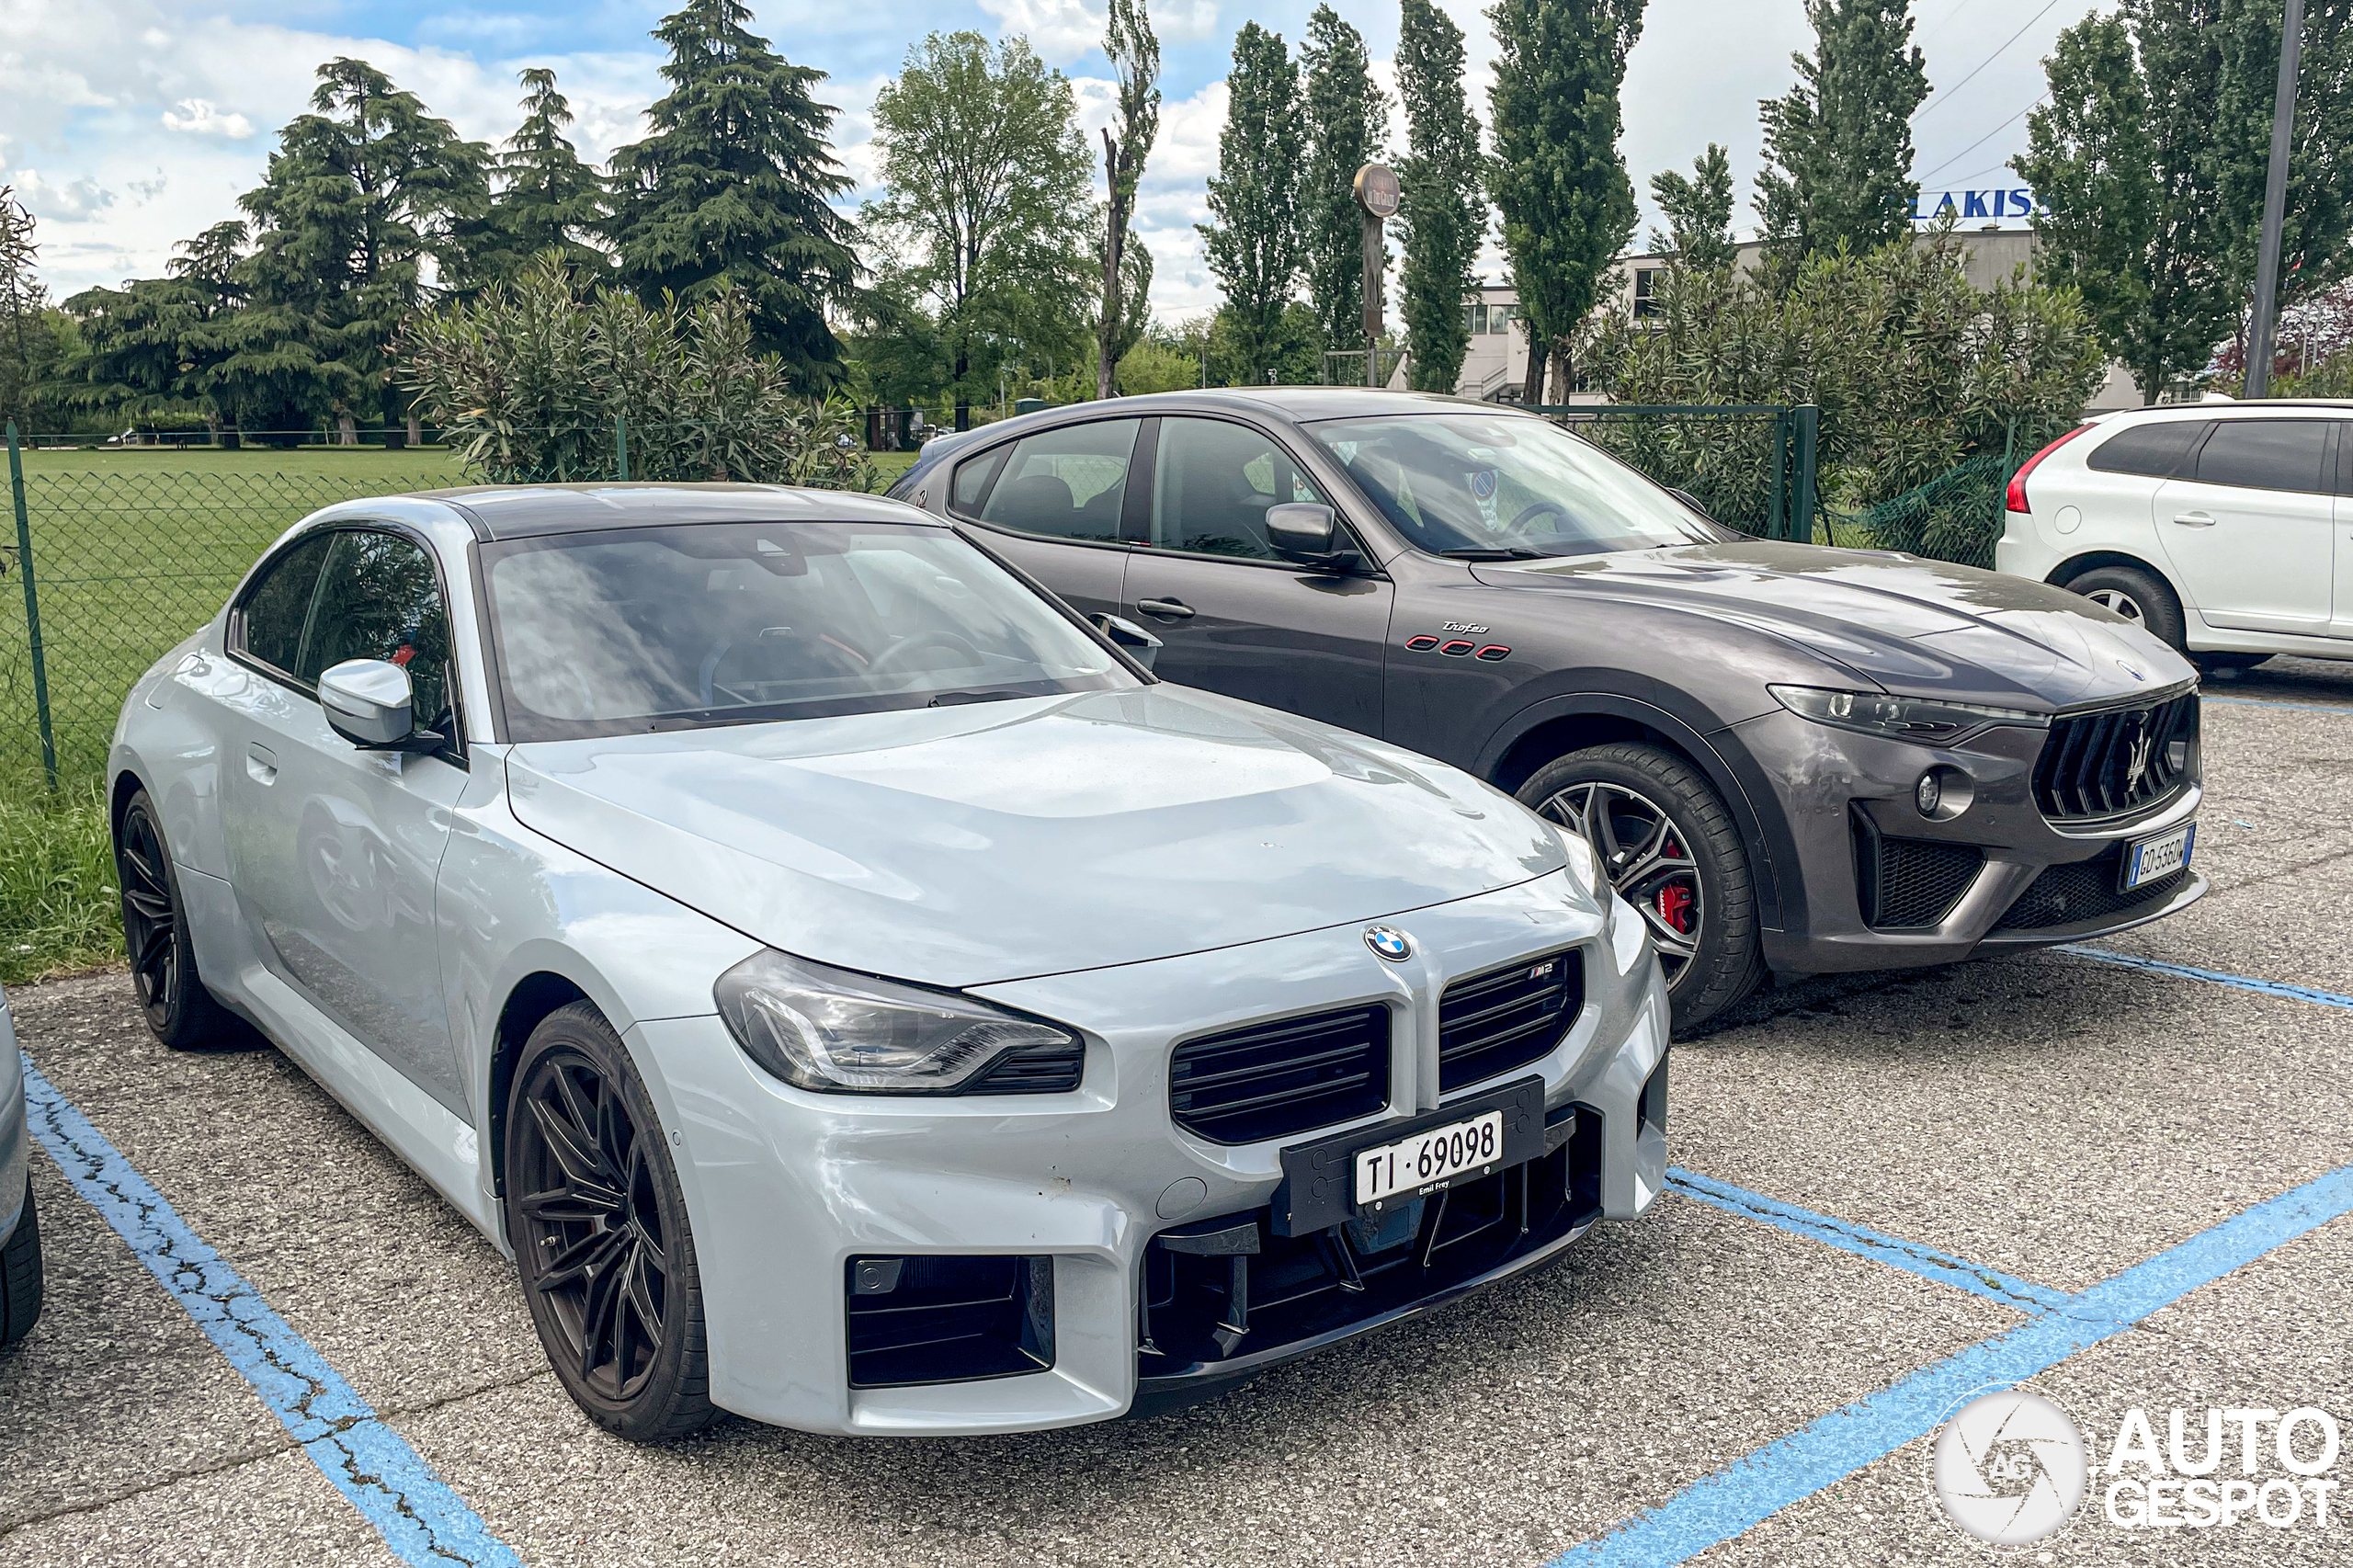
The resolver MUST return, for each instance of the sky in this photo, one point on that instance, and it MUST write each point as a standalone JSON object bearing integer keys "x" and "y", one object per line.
{"x": 129, "y": 125}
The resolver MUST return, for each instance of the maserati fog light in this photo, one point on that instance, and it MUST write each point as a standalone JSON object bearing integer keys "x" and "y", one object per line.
{"x": 1928, "y": 793}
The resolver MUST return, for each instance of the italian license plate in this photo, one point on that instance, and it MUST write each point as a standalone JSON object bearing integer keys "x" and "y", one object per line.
{"x": 2149, "y": 858}
{"x": 1425, "y": 1162}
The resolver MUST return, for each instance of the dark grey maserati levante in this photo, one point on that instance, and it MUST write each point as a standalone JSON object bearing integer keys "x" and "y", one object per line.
{"x": 1789, "y": 757}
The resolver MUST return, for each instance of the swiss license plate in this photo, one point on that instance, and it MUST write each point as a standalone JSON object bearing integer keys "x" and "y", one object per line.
{"x": 2149, "y": 858}
{"x": 1428, "y": 1160}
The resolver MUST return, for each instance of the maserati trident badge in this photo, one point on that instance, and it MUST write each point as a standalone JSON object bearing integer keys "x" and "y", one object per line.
{"x": 2136, "y": 761}
{"x": 1388, "y": 943}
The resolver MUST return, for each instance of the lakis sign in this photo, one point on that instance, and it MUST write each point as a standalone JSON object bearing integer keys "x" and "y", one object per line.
{"x": 1968, "y": 204}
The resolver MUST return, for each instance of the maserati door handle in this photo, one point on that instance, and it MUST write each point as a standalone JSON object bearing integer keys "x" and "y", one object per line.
{"x": 2195, "y": 520}
{"x": 261, "y": 764}
{"x": 1167, "y": 609}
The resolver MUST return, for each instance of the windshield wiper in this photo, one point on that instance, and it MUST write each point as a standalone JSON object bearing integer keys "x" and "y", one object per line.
{"x": 1499, "y": 552}
{"x": 957, "y": 698}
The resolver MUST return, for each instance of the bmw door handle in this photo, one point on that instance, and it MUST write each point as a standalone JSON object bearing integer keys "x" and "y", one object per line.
{"x": 2194, "y": 520}
{"x": 261, "y": 764}
{"x": 1167, "y": 609}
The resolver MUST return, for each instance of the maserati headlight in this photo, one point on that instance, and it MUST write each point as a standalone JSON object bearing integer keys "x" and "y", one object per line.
{"x": 1901, "y": 717}
{"x": 839, "y": 1032}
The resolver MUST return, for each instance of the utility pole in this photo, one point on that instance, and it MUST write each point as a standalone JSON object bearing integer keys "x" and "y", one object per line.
{"x": 2275, "y": 205}
{"x": 1376, "y": 191}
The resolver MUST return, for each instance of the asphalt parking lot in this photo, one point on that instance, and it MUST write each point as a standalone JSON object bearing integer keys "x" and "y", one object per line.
{"x": 2064, "y": 1170}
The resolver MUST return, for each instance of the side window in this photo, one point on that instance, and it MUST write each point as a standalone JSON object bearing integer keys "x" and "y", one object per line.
{"x": 1065, "y": 483}
{"x": 2264, "y": 454}
{"x": 2155, "y": 451}
{"x": 379, "y": 599}
{"x": 971, "y": 482}
{"x": 280, "y": 603}
{"x": 1212, "y": 485}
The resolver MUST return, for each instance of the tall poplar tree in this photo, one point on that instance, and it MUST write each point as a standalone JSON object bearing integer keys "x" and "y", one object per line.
{"x": 2318, "y": 217}
{"x": 1252, "y": 244}
{"x": 1133, "y": 50}
{"x": 1558, "y": 177}
{"x": 1697, "y": 208}
{"x": 547, "y": 198}
{"x": 1839, "y": 144}
{"x": 1346, "y": 121}
{"x": 1444, "y": 216}
{"x": 733, "y": 190}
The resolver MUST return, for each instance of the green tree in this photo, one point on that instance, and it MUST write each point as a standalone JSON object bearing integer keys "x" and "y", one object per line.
{"x": 1252, "y": 244}
{"x": 1440, "y": 209}
{"x": 1697, "y": 208}
{"x": 1344, "y": 120}
{"x": 1838, "y": 146}
{"x": 547, "y": 198}
{"x": 986, "y": 203}
{"x": 23, "y": 299}
{"x": 1133, "y": 51}
{"x": 1558, "y": 177}
{"x": 2318, "y": 217}
{"x": 363, "y": 192}
{"x": 732, "y": 189}
{"x": 2121, "y": 160}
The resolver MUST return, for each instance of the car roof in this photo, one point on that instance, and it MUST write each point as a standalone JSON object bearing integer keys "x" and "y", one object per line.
{"x": 525, "y": 511}
{"x": 2228, "y": 408}
{"x": 1300, "y": 406}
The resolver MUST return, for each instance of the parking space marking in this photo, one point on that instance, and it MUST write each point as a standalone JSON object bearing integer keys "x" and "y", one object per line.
{"x": 2213, "y": 976}
{"x": 420, "y": 1519}
{"x": 1759, "y": 1485}
{"x": 1861, "y": 1240}
{"x": 2270, "y": 702}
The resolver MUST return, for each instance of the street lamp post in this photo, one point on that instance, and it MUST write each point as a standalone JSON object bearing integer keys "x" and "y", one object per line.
{"x": 2275, "y": 205}
{"x": 1376, "y": 191}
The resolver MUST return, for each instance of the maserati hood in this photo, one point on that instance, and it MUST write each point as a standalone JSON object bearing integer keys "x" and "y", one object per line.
{"x": 1004, "y": 840}
{"x": 1926, "y": 627}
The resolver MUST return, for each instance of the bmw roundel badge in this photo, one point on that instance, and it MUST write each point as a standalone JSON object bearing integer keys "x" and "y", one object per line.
{"x": 1388, "y": 943}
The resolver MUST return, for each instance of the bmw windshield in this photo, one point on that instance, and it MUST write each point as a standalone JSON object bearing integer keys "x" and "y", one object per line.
{"x": 1501, "y": 487}
{"x": 629, "y": 630}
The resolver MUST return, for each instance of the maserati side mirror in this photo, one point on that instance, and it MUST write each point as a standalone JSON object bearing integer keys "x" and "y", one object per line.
{"x": 1129, "y": 638}
{"x": 1690, "y": 500}
{"x": 1301, "y": 528}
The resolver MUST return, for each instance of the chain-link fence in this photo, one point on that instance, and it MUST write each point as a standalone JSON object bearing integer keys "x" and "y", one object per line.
{"x": 1751, "y": 466}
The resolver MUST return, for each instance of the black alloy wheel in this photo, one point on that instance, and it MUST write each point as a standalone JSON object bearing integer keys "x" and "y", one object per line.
{"x": 1668, "y": 847}
{"x": 178, "y": 1008}
{"x": 600, "y": 1234}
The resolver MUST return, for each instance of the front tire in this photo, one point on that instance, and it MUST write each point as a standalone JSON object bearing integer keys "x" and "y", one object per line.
{"x": 600, "y": 1234}
{"x": 2139, "y": 597}
{"x": 172, "y": 996}
{"x": 1668, "y": 847}
{"x": 20, "y": 1282}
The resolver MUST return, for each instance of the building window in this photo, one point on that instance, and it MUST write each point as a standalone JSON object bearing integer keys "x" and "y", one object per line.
{"x": 1645, "y": 295}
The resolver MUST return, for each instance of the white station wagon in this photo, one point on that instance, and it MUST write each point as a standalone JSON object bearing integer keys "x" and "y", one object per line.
{"x": 2225, "y": 529}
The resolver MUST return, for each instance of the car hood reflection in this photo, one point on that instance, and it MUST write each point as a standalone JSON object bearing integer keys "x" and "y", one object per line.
{"x": 966, "y": 845}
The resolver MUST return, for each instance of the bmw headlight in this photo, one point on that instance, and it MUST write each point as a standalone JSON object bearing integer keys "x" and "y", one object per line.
{"x": 1901, "y": 717}
{"x": 840, "y": 1032}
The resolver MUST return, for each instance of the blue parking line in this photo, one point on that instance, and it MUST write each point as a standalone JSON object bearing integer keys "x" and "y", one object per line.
{"x": 2268, "y": 702}
{"x": 1759, "y": 1485}
{"x": 1861, "y": 1240}
{"x": 420, "y": 1519}
{"x": 2215, "y": 976}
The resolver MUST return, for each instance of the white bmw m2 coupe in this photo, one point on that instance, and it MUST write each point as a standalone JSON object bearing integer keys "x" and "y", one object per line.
{"x": 853, "y": 990}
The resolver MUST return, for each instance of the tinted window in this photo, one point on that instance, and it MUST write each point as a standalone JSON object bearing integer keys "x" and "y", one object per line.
{"x": 2264, "y": 454}
{"x": 625, "y": 630}
{"x": 973, "y": 482}
{"x": 2154, "y": 449}
{"x": 1065, "y": 483}
{"x": 379, "y": 599}
{"x": 280, "y": 603}
{"x": 1212, "y": 485}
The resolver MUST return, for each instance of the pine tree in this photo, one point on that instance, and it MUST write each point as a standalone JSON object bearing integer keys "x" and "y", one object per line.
{"x": 1443, "y": 215}
{"x": 1558, "y": 177}
{"x": 1838, "y": 145}
{"x": 1346, "y": 122}
{"x": 1253, "y": 246}
{"x": 731, "y": 188}
{"x": 1133, "y": 50}
{"x": 363, "y": 192}
{"x": 1697, "y": 208}
{"x": 23, "y": 298}
{"x": 547, "y": 198}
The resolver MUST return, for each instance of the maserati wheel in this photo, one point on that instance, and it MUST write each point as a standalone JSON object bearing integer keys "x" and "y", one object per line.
{"x": 179, "y": 1010}
{"x": 1668, "y": 847}
{"x": 600, "y": 1234}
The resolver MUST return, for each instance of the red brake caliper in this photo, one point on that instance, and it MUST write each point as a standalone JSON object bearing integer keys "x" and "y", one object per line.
{"x": 1675, "y": 901}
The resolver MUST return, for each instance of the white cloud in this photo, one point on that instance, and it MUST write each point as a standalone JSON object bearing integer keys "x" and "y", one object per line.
{"x": 197, "y": 117}
{"x": 69, "y": 201}
{"x": 1062, "y": 30}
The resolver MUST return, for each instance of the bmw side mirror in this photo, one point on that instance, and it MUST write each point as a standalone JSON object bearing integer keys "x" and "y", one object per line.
{"x": 1129, "y": 638}
{"x": 367, "y": 702}
{"x": 1301, "y": 530}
